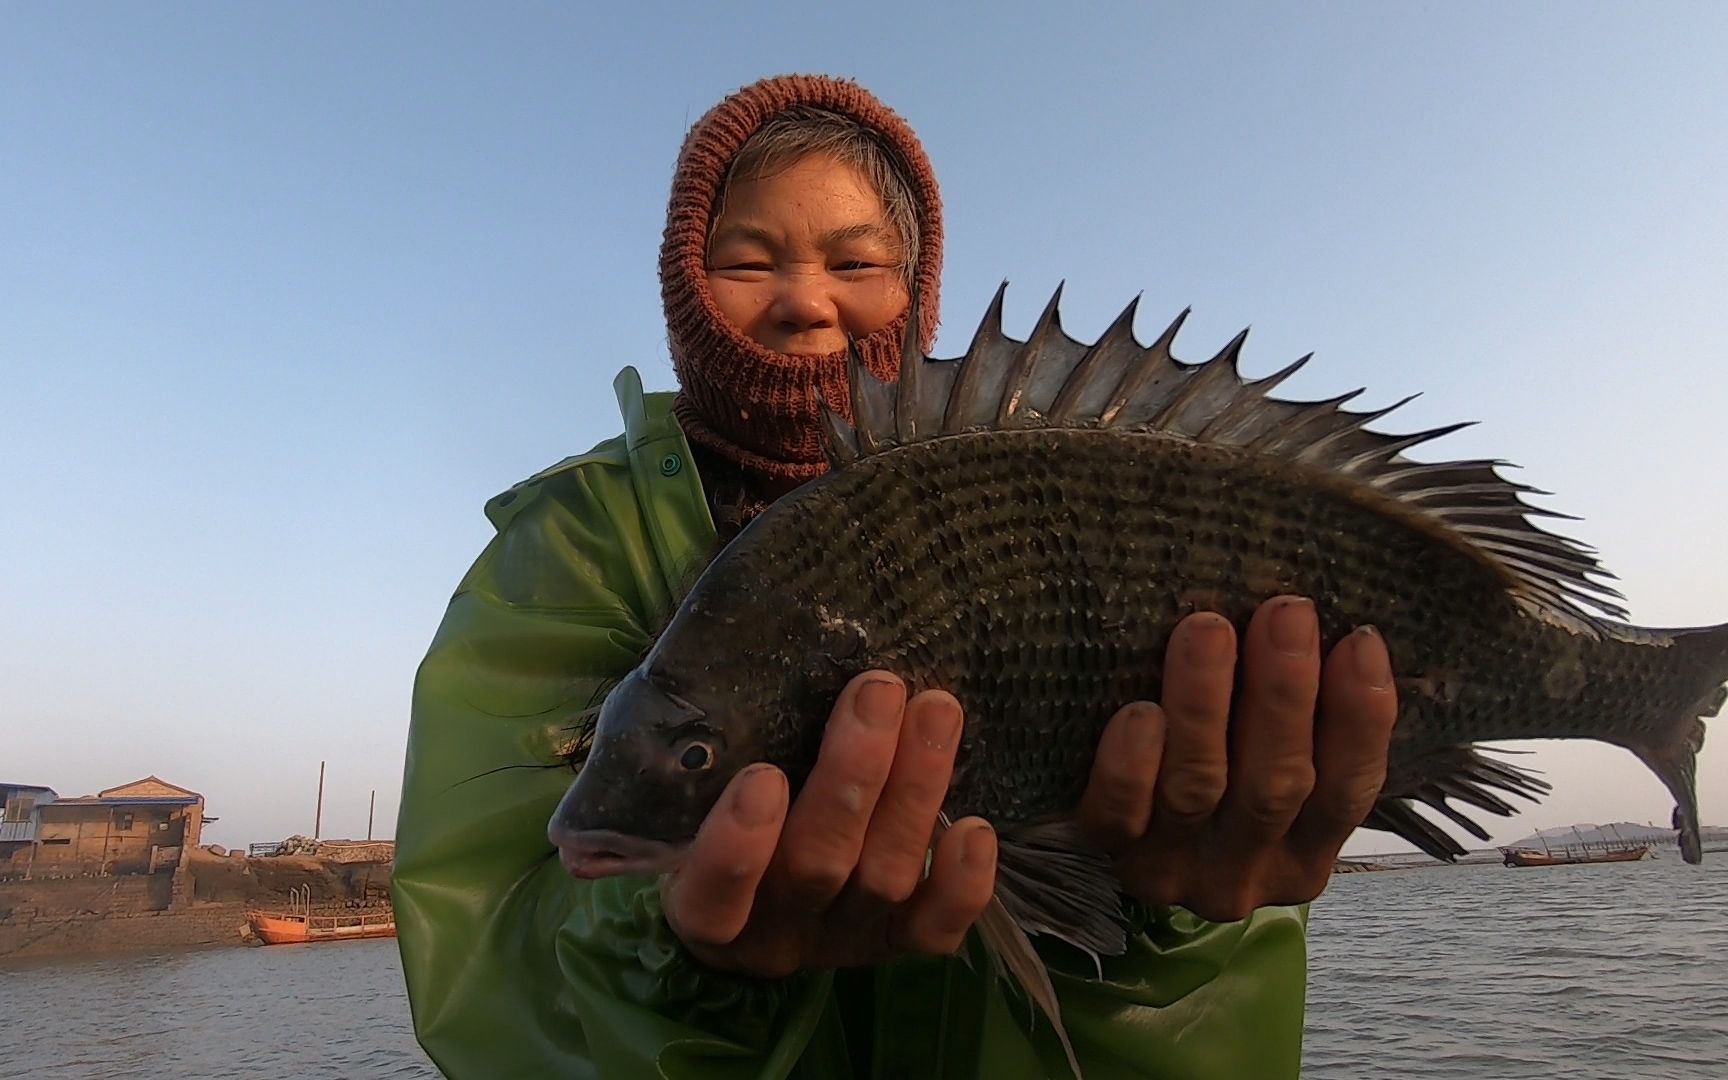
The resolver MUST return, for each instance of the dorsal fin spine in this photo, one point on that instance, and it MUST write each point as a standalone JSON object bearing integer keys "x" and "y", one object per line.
{"x": 1386, "y": 451}
{"x": 1158, "y": 357}
{"x": 1245, "y": 402}
{"x": 972, "y": 375}
{"x": 1094, "y": 364}
{"x": 1006, "y": 382}
{"x": 1198, "y": 379}
{"x": 1026, "y": 361}
{"x": 1327, "y": 409}
{"x": 839, "y": 439}
{"x": 1355, "y": 422}
{"x": 906, "y": 390}
{"x": 865, "y": 425}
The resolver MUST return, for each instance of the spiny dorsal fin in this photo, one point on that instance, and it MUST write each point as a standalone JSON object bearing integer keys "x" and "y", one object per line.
{"x": 1053, "y": 380}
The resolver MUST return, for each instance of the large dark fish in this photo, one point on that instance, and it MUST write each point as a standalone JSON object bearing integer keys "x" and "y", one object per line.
{"x": 1025, "y": 526}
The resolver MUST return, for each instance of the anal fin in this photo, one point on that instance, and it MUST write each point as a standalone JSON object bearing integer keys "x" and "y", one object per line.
{"x": 1439, "y": 778}
{"x": 1050, "y": 880}
{"x": 1012, "y": 951}
{"x": 1053, "y": 881}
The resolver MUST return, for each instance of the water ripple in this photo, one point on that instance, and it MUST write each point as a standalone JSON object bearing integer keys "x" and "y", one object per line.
{"x": 1461, "y": 973}
{"x": 329, "y": 1010}
{"x": 1449, "y": 974}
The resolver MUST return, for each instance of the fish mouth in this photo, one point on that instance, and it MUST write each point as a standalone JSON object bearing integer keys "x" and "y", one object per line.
{"x": 592, "y": 854}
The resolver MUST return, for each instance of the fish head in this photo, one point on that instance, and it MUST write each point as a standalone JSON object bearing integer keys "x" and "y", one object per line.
{"x": 658, "y": 764}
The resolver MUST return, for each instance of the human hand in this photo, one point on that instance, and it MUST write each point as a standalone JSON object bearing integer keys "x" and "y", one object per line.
{"x": 1222, "y": 811}
{"x": 838, "y": 879}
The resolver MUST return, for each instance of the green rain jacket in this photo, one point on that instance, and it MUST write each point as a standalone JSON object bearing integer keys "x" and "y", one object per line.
{"x": 515, "y": 969}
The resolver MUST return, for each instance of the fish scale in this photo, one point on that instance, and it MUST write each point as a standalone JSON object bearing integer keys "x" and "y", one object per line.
{"x": 1023, "y": 563}
{"x": 1025, "y": 527}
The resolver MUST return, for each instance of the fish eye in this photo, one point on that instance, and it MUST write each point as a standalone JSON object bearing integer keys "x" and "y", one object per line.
{"x": 696, "y": 756}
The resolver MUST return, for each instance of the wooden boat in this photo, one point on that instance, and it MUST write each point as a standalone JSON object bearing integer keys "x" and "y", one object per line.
{"x": 298, "y": 925}
{"x": 1569, "y": 856}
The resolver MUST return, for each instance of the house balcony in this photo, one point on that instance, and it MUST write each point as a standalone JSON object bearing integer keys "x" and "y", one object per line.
{"x": 17, "y": 830}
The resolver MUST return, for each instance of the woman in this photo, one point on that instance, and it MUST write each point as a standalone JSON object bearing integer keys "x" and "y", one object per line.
{"x": 802, "y": 937}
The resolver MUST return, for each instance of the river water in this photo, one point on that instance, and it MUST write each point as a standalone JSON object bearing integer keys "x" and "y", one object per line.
{"x": 1618, "y": 970}
{"x": 1468, "y": 973}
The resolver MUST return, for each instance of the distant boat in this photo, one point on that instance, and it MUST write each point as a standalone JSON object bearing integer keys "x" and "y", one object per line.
{"x": 1569, "y": 856}
{"x": 298, "y": 925}
{"x": 1584, "y": 851}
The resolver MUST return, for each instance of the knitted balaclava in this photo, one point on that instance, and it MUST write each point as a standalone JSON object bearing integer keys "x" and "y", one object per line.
{"x": 748, "y": 405}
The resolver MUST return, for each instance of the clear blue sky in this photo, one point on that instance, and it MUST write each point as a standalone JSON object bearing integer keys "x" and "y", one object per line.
{"x": 285, "y": 297}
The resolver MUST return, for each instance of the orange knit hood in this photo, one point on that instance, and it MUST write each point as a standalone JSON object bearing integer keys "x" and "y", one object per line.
{"x": 754, "y": 407}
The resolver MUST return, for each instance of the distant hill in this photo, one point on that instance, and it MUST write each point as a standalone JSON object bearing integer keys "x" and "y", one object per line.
{"x": 1715, "y": 839}
{"x": 1614, "y": 832}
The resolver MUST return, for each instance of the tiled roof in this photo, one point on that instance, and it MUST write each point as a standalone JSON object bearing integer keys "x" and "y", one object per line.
{"x": 151, "y": 786}
{"x": 97, "y": 800}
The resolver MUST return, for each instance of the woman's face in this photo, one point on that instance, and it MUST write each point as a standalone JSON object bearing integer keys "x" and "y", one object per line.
{"x": 805, "y": 257}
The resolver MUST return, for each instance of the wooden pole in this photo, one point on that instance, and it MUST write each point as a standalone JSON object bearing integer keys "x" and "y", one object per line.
{"x": 371, "y": 805}
{"x": 318, "y": 815}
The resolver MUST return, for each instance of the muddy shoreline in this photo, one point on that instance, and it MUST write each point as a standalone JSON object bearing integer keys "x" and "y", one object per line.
{"x": 204, "y": 903}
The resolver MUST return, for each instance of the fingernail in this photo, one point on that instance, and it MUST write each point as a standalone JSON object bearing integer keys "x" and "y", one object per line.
{"x": 1293, "y": 630}
{"x": 980, "y": 846}
{"x": 1145, "y": 725}
{"x": 758, "y": 800}
{"x": 1372, "y": 663}
{"x": 938, "y": 722}
{"x": 1207, "y": 637}
{"x": 880, "y": 702}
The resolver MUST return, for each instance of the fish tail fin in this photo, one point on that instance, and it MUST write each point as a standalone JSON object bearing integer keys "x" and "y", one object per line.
{"x": 1672, "y": 754}
{"x": 1674, "y": 760}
